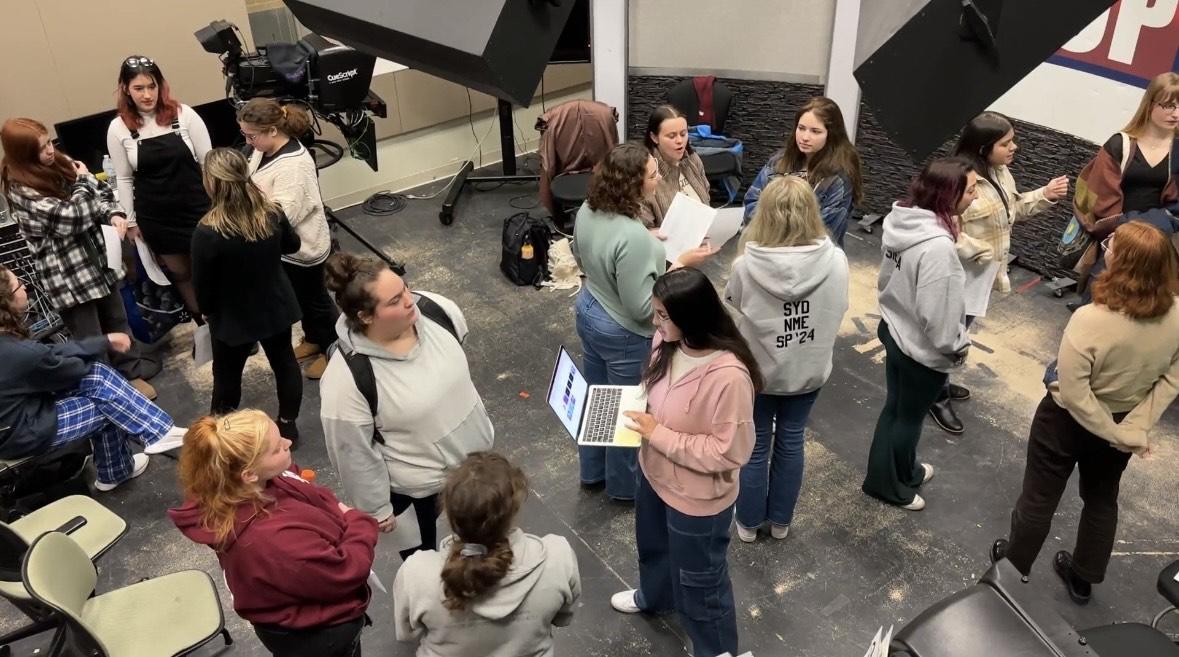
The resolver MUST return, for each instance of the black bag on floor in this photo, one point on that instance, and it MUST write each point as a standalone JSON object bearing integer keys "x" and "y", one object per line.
{"x": 525, "y": 258}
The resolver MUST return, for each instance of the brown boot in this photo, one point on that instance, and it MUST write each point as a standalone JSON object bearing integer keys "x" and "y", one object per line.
{"x": 306, "y": 349}
{"x": 146, "y": 389}
{"x": 315, "y": 370}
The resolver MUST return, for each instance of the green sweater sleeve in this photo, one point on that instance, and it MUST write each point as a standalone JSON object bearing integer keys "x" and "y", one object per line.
{"x": 637, "y": 264}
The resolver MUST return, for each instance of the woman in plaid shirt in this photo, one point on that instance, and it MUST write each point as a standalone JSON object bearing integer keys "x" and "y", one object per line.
{"x": 60, "y": 208}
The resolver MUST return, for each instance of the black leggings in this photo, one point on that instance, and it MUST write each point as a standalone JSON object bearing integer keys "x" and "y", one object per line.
{"x": 427, "y": 510}
{"x": 319, "y": 311}
{"x": 230, "y": 360}
{"x": 341, "y": 640}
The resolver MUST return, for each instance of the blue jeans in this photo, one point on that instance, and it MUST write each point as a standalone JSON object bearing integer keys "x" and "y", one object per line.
{"x": 772, "y": 478}
{"x": 613, "y": 356}
{"x": 683, "y": 566}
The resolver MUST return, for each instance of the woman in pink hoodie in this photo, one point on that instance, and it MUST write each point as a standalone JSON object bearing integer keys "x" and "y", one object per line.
{"x": 697, "y": 434}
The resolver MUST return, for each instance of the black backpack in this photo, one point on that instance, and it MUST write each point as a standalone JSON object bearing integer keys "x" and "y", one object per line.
{"x": 362, "y": 367}
{"x": 525, "y": 258}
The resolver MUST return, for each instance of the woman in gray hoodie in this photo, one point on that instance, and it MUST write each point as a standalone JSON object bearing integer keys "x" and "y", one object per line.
{"x": 490, "y": 589}
{"x": 922, "y": 323}
{"x": 788, "y": 292}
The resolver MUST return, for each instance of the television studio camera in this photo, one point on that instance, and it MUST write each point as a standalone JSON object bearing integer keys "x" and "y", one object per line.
{"x": 330, "y": 80}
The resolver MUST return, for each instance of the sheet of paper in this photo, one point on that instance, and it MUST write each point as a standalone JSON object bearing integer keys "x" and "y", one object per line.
{"x": 374, "y": 582}
{"x": 874, "y": 647}
{"x": 203, "y": 350}
{"x": 114, "y": 248}
{"x": 685, "y": 225}
{"x": 149, "y": 263}
{"x": 726, "y": 224}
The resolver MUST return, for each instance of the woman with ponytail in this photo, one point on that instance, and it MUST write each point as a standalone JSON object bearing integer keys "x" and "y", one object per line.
{"x": 502, "y": 590}
{"x": 295, "y": 559}
{"x": 285, "y": 172}
{"x": 241, "y": 288}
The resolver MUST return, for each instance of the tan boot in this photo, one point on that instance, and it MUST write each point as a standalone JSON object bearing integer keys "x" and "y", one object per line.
{"x": 146, "y": 389}
{"x": 306, "y": 349}
{"x": 315, "y": 370}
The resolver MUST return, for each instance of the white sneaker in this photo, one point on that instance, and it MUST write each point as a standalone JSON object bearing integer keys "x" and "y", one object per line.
{"x": 928, "y": 472}
{"x": 779, "y": 531}
{"x": 140, "y": 464}
{"x": 917, "y": 504}
{"x": 171, "y": 440}
{"x": 624, "y": 602}
{"x": 746, "y": 534}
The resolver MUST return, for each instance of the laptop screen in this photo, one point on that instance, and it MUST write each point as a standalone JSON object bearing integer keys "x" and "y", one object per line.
{"x": 567, "y": 393}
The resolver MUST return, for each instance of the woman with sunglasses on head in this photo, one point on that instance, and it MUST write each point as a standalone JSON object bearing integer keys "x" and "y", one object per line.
{"x": 157, "y": 146}
{"x": 61, "y": 209}
{"x": 1117, "y": 373}
{"x": 285, "y": 171}
{"x": 819, "y": 150}
{"x": 681, "y": 170}
{"x": 988, "y": 142}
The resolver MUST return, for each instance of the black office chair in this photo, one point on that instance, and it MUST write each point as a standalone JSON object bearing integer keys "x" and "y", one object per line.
{"x": 1002, "y": 615}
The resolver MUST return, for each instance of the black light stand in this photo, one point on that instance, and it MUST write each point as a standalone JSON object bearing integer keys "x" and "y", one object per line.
{"x": 507, "y": 140}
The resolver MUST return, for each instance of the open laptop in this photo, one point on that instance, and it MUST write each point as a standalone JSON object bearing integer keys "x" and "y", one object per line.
{"x": 593, "y": 414}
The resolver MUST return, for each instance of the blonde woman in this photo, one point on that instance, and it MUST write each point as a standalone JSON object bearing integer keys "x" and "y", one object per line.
{"x": 789, "y": 293}
{"x": 240, "y": 285}
{"x": 295, "y": 559}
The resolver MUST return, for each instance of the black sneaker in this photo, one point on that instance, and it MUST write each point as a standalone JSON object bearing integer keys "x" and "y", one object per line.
{"x": 943, "y": 413}
{"x": 959, "y": 393}
{"x": 289, "y": 430}
{"x": 1078, "y": 589}
{"x": 999, "y": 550}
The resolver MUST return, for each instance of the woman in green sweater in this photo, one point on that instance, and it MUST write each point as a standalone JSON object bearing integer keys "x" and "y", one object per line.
{"x": 621, "y": 260}
{"x": 1117, "y": 372}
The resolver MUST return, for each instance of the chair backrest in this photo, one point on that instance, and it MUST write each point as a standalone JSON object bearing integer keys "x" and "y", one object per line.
{"x": 57, "y": 572}
{"x": 683, "y": 97}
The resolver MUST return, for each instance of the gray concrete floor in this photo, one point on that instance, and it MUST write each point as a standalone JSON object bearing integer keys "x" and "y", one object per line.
{"x": 850, "y": 564}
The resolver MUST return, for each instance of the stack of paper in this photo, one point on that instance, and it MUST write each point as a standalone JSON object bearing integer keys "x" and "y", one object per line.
{"x": 879, "y": 645}
{"x": 689, "y": 222}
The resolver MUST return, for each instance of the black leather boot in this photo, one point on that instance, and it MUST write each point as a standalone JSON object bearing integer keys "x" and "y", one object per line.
{"x": 943, "y": 413}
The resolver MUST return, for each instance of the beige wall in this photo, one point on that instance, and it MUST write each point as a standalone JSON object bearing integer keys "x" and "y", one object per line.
{"x": 785, "y": 40}
{"x": 61, "y": 57}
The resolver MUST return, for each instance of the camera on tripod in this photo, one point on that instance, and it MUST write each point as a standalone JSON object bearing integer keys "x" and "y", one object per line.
{"x": 329, "y": 79}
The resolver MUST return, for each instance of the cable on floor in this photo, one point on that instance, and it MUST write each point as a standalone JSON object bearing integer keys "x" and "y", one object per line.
{"x": 384, "y": 203}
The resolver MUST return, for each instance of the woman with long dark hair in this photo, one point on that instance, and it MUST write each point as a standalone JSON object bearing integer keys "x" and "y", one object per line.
{"x": 285, "y": 171}
{"x": 988, "y": 143}
{"x": 681, "y": 171}
{"x": 697, "y": 433}
{"x": 241, "y": 287}
{"x": 490, "y": 589}
{"x": 60, "y": 209}
{"x": 296, "y": 559}
{"x": 819, "y": 150}
{"x": 1115, "y": 377}
{"x": 922, "y": 323}
{"x": 157, "y": 145}
{"x": 621, "y": 260}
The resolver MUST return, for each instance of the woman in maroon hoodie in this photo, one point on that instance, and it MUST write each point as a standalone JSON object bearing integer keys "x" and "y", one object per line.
{"x": 296, "y": 560}
{"x": 697, "y": 434}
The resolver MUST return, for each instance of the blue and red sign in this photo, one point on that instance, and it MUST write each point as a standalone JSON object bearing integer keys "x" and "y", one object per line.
{"x": 1131, "y": 43}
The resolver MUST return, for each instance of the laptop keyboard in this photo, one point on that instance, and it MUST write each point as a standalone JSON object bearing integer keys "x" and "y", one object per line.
{"x": 602, "y": 415}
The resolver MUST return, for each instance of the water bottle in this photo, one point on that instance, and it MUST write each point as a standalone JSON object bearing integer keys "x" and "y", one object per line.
{"x": 108, "y": 168}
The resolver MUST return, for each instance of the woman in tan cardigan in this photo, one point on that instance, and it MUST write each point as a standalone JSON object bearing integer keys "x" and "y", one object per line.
{"x": 680, "y": 166}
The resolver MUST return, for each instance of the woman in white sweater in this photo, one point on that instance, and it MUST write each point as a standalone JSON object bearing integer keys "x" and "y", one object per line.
{"x": 285, "y": 171}
{"x": 789, "y": 293}
{"x": 157, "y": 146}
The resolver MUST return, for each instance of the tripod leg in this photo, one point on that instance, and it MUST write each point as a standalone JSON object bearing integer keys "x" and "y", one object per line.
{"x": 397, "y": 267}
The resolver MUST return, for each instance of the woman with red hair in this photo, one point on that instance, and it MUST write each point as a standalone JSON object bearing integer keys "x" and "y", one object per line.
{"x": 60, "y": 208}
{"x": 157, "y": 146}
{"x": 1116, "y": 373}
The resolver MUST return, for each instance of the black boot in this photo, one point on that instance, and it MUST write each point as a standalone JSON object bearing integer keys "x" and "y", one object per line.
{"x": 289, "y": 430}
{"x": 959, "y": 393}
{"x": 1078, "y": 589}
{"x": 999, "y": 550}
{"x": 943, "y": 413}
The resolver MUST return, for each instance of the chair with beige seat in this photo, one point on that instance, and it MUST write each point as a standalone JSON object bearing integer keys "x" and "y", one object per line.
{"x": 160, "y": 617}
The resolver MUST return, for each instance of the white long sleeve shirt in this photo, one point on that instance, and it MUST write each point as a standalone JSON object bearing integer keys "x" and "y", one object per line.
{"x": 124, "y": 149}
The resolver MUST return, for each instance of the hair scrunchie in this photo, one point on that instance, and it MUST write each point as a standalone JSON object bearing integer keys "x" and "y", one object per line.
{"x": 284, "y": 111}
{"x": 473, "y": 550}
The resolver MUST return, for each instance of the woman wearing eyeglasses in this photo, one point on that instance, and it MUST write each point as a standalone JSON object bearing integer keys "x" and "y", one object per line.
{"x": 1133, "y": 173}
{"x": 157, "y": 145}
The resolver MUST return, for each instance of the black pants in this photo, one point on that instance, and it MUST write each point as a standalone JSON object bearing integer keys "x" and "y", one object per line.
{"x": 427, "y": 510}
{"x": 341, "y": 640}
{"x": 108, "y": 315}
{"x": 319, "y": 311}
{"x": 893, "y": 471}
{"x": 229, "y": 361}
{"x": 1057, "y": 444}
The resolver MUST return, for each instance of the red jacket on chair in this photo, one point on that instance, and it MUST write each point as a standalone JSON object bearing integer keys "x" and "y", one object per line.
{"x": 574, "y": 137}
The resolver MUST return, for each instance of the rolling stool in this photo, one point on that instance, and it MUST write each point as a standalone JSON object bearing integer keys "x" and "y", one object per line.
{"x": 569, "y": 192}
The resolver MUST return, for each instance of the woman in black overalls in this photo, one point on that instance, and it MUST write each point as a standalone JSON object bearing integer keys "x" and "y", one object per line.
{"x": 156, "y": 145}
